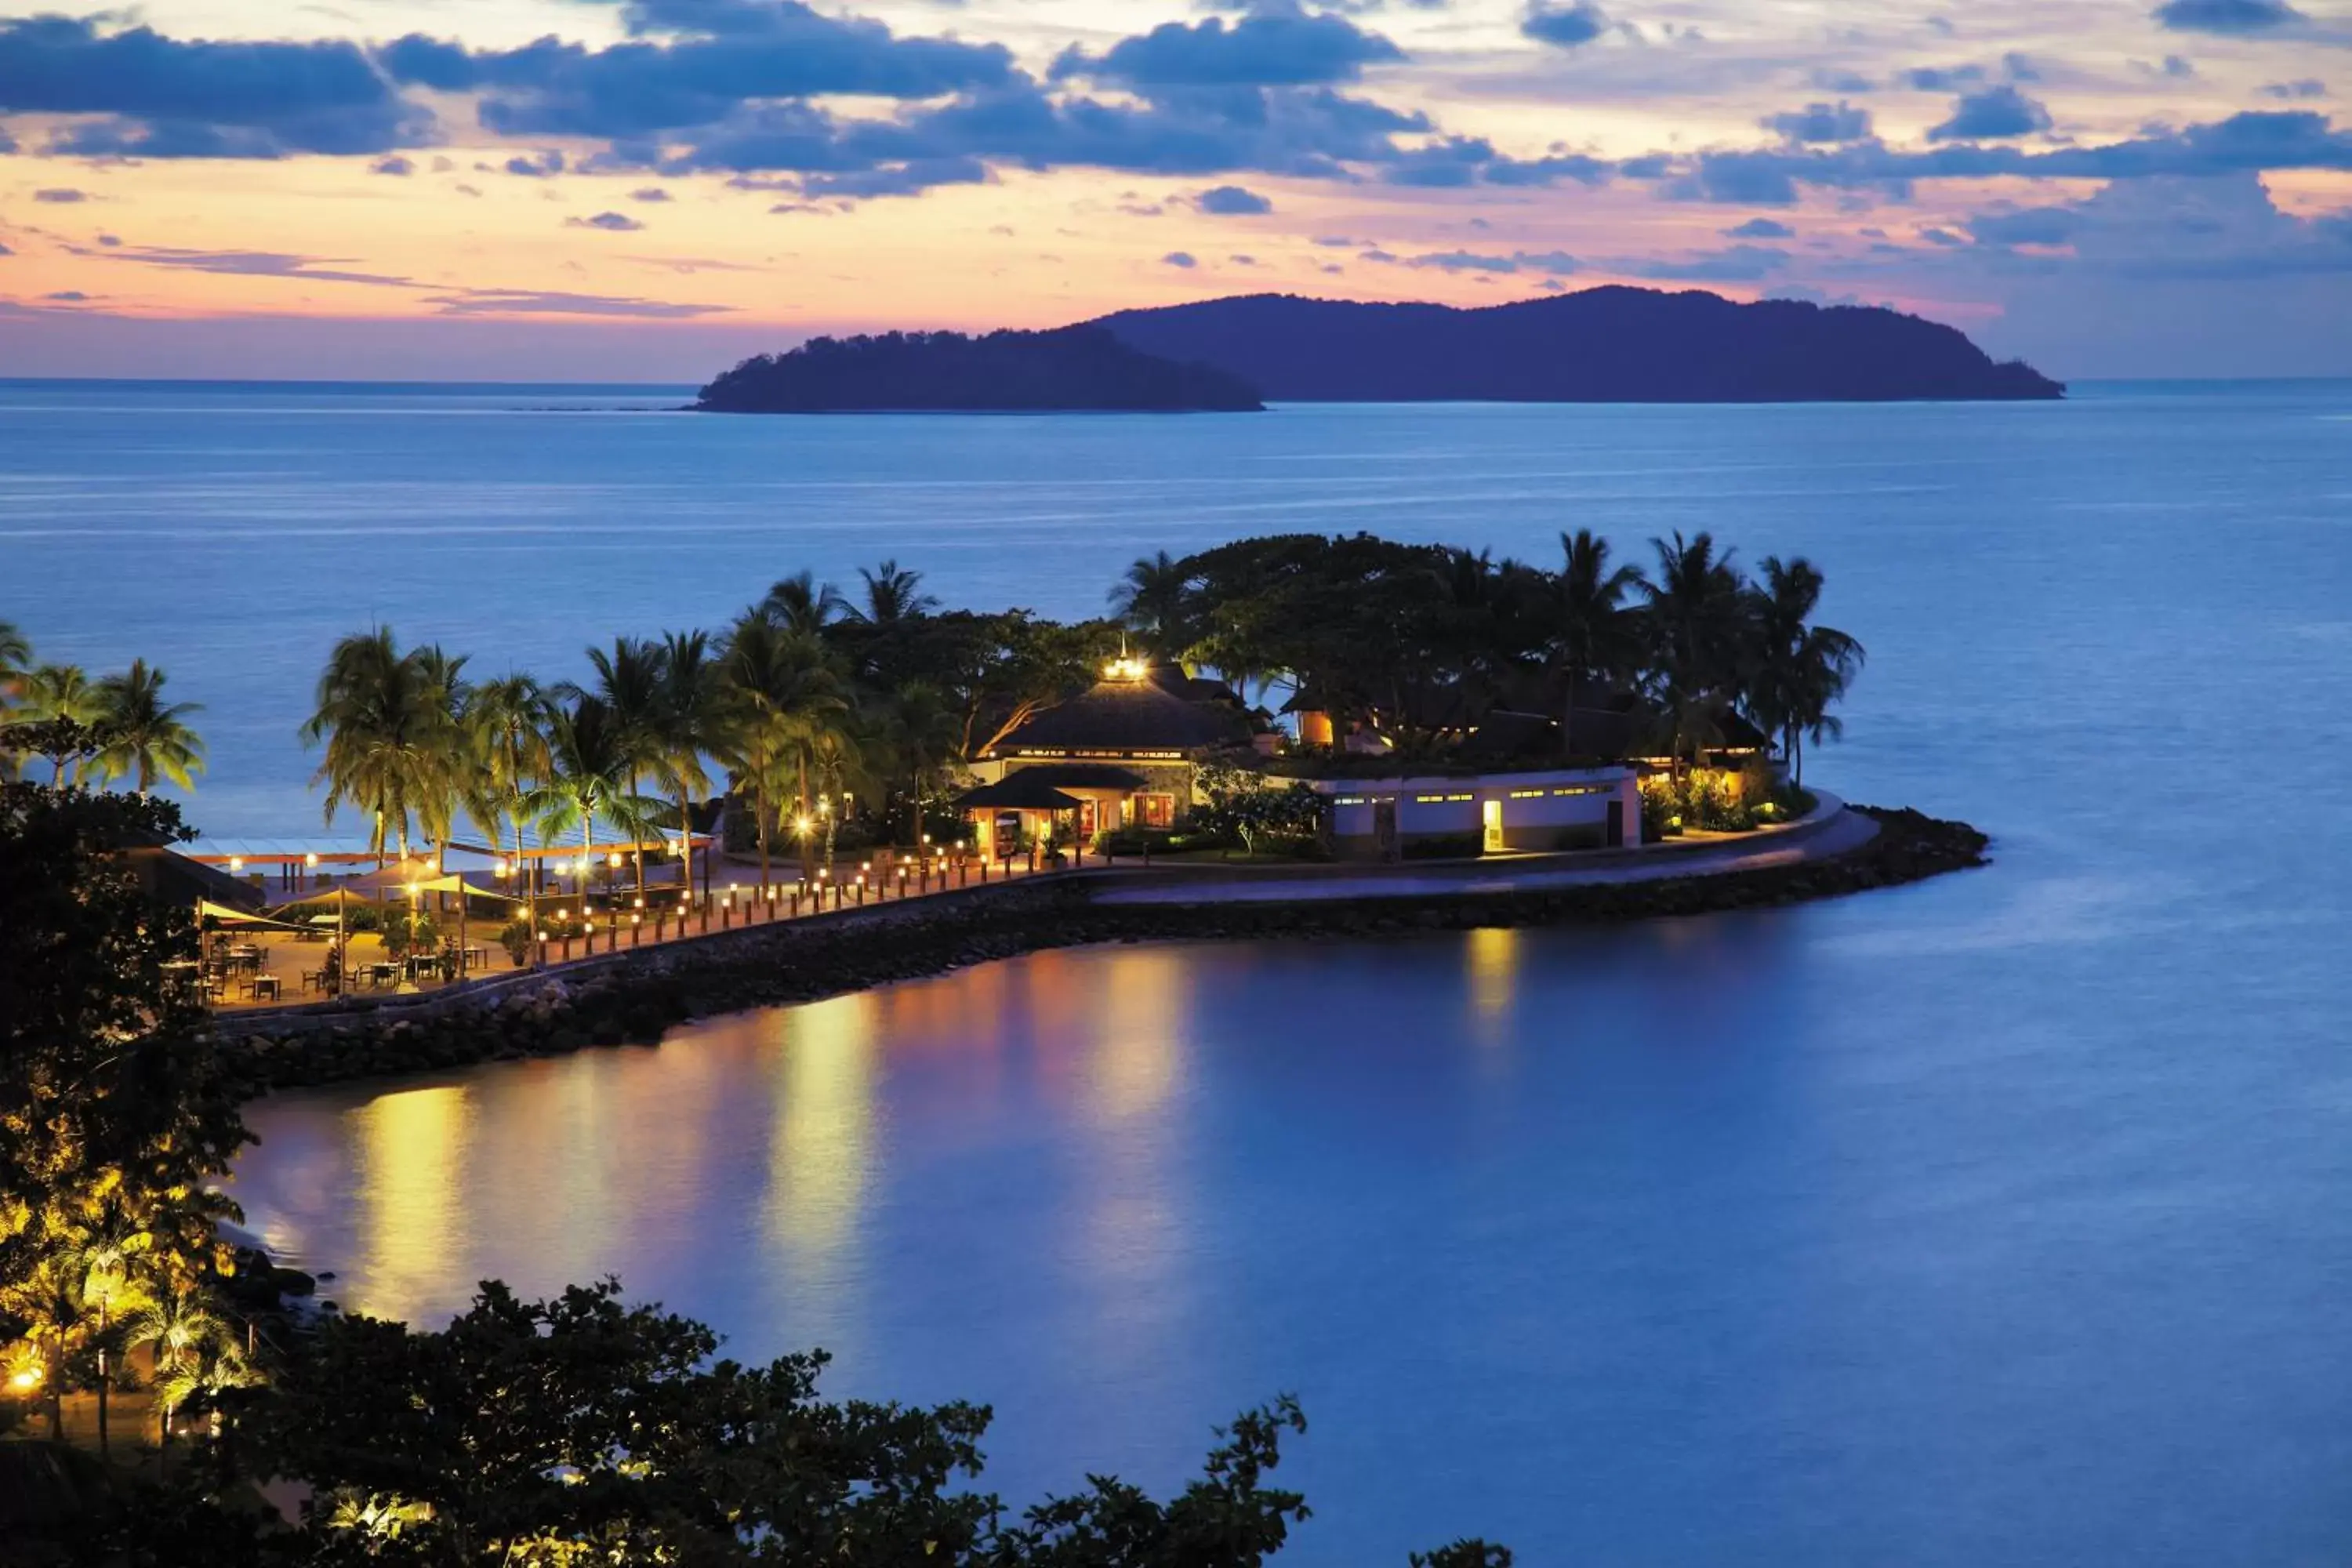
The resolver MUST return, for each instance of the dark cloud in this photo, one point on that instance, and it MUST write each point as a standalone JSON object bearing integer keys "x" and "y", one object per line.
{"x": 1830, "y": 79}
{"x": 397, "y": 167}
{"x": 1760, "y": 228}
{"x": 1451, "y": 162}
{"x": 1233, "y": 201}
{"x": 60, "y": 195}
{"x": 907, "y": 179}
{"x": 5, "y": 251}
{"x": 2308, "y": 88}
{"x": 614, "y": 223}
{"x": 1941, "y": 79}
{"x": 1576, "y": 166}
{"x": 68, "y": 296}
{"x": 166, "y": 97}
{"x": 1993, "y": 115}
{"x": 1564, "y": 26}
{"x": 650, "y": 194}
{"x": 1311, "y": 132}
{"x": 1292, "y": 49}
{"x": 2253, "y": 141}
{"x": 538, "y": 166}
{"x": 1183, "y": 258}
{"x": 1820, "y": 123}
{"x": 550, "y": 88}
{"x": 2234, "y": 19}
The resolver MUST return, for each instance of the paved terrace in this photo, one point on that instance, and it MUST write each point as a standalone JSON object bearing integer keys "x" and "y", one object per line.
{"x": 1828, "y": 831}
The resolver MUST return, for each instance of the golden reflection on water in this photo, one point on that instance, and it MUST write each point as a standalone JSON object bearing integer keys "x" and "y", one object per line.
{"x": 1493, "y": 955}
{"x": 820, "y": 1154}
{"x": 413, "y": 1148}
{"x": 1131, "y": 1222}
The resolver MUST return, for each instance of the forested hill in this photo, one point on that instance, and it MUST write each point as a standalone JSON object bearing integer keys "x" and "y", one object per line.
{"x": 1602, "y": 345}
{"x": 1070, "y": 368}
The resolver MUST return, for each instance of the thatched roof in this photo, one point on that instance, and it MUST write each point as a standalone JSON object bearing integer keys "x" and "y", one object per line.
{"x": 1019, "y": 791}
{"x": 1129, "y": 716}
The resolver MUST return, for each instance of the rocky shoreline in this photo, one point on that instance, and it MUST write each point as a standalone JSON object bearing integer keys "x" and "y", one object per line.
{"x": 638, "y": 996}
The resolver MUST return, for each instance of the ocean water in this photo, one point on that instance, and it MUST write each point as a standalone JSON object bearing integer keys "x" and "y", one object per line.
{"x": 2004, "y": 1219}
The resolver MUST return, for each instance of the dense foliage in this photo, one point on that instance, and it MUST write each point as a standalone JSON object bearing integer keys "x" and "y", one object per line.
{"x": 113, "y": 1117}
{"x": 1068, "y": 369}
{"x": 92, "y": 731}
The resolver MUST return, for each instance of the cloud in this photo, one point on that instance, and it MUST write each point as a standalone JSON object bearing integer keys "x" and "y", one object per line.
{"x": 5, "y": 251}
{"x": 2307, "y": 87}
{"x": 1996, "y": 113}
{"x": 1760, "y": 228}
{"x": 1555, "y": 263}
{"x": 2232, "y": 18}
{"x": 60, "y": 195}
{"x": 907, "y": 179}
{"x": 1183, "y": 258}
{"x": 251, "y": 264}
{"x": 166, "y": 97}
{"x": 1834, "y": 79}
{"x": 1564, "y": 26}
{"x": 539, "y": 166}
{"x": 615, "y": 223}
{"x": 69, "y": 296}
{"x": 640, "y": 89}
{"x": 1266, "y": 48}
{"x": 1820, "y": 123}
{"x": 1312, "y": 133}
{"x": 1734, "y": 264}
{"x": 395, "y": 166}
{"x": 1233, "y": 201}
{"x": 2025, "y": 225}
{"x": 1941, "y": 79}
{"x": 549, "y": 302}
{"x": 650, "y": 194}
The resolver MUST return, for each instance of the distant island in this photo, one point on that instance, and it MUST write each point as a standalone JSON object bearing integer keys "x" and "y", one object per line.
{"x": 1069, "y": 369}
{"x": 1602, "y": 345}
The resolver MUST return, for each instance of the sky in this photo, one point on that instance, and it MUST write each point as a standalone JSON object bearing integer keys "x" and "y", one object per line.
{"x": 647, "y": 190}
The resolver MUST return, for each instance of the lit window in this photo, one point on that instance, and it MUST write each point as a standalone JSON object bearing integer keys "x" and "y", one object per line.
{"x": 1527, "y": 794}
{"x": 1454, "y": 797}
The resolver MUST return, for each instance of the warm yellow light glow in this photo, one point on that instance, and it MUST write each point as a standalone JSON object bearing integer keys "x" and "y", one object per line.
{"x": 1124, "y": 667}
{"x": 500, "y": 870}
{"x": 27, "y": 1378}
{"x": 312, "y": 860}
{"x": 237, "y": 862}
{"x": 614, "y": 859}
{"x": 801, "y": 825}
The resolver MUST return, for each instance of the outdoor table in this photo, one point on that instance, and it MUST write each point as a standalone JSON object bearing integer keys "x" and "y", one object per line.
{"x": 379, "y": 974}
{"x": 262, "y": 987}
{"x": 477, "y": 958}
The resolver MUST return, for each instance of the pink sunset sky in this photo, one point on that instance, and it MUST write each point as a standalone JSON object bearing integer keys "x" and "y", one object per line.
{"x": 565, "y": 189}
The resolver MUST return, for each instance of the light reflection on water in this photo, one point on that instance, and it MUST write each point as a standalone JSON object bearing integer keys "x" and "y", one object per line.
{"x": 2003, "y": 1219}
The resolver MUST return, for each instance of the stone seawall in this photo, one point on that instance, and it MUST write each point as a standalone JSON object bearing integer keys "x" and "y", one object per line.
{"x": 634, "y": 998}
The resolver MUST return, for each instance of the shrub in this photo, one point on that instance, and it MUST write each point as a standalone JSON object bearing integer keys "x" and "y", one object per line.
{"x": 516, "y": 937}
{"x": 404, "y": 934}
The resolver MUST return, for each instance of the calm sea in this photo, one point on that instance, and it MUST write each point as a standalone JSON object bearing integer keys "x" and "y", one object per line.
{"x": 2006, "y": 1219}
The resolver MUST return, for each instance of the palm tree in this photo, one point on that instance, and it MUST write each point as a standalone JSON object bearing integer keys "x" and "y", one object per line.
{"x": 777, "y": 689}
{"x": 799, "y": 604}
{"x": 388, "y": 719}
{"x": 1694, "y": 613}
{"x": 15, "y": 658}
{"x": 182, "y": 1326}
{"x": 629, "y": 681}
{"x": 1154, "y": 601}
{"x": 921, "y": 731}
{"x": 144, "y": 735}
{"x": 688, "y": 723}
{"x": 105, "y": 1257}
{"x": 63, "y": 698}
{"x": 1797, "y": 670}
{"x": 442, "y": 780}
{"x": 892, "y": 595}
{"x": 1592, "y": 635}
{"x": 506, "y": 733}
{"x": 588, "y": 777}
